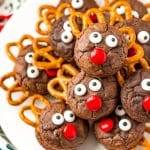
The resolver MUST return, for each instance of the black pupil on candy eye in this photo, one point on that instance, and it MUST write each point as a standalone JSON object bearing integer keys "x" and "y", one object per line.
{"x": 32, "y": 71}
{"x": 95, "y": 35}
{"x": 77, "y": 1}
{"x": 148, "y": 83}
{"x": 58, "y": 117}
{"x": 94, "y": 83}
{"x": 113, "y": 39}
{"x": 30, "y": 56}
{"x": 145, "y": 37}
{"x": 119, "y": 107}
{"x": 66, "y": 37}
{"x": 125, "y": 124}
{"x": 79, "y": 89}
{"x": 71, "y": 115}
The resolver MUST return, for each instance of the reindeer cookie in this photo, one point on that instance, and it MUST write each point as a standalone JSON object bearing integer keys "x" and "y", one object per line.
{"x": 118, "y": 131}
{"x": 92, "y": 98}
{"x": 100, "y": 50}
{"x": 135, "y": 96}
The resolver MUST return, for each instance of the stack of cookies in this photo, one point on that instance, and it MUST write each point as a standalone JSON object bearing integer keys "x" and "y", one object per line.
{"x": 94, "y": 61}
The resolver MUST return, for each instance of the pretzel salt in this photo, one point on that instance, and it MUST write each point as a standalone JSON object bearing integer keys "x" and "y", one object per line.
{"x": 61, "y": 81}
{"x": 19, "y": 45}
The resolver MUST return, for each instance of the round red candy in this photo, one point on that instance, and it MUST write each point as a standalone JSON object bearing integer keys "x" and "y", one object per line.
{"x": 106, "y": 125}
{"x": 131, "y": 52}
{"x": 51, "y": 72}
{"x": 146, "y": 103}
{"x": 70, "y": 132}
{"x": 94, "y": 103}
{"x": 93, "y": 18}
{"x": 98, "y": 56}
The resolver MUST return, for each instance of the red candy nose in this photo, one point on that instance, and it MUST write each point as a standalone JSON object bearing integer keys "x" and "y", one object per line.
{"x": 93, "y": 18}
{"x": 131, "y": 52}
{"x": 106, "y": 125}
{"x": 70, "y": 132}
{"x": 94, "y": 103}
{"x": 146, "y": 103}
{"x": 98, "y": 56}
{"x": 51, "y": 72}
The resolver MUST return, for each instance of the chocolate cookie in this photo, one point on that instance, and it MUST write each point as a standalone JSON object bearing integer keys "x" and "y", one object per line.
{"x": 60, "y": 129}
{"x": 135, "y": 96}
{"x": 142, "y": 30}
{"x": 82, "y": 5}
{"x": 118, "y": 131}
{"x": 138, "y": 9}
{"x": 101, "y": 50}
{"x": 29, "y": 76}
{"x": 92, "y": 98}
{"x": 62, "y": 39}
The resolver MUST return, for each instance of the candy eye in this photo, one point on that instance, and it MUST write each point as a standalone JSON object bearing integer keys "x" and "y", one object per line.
{"x": 58, "y": 119}
{"x": 29, "y": 57}
{"x": 143, "y": 37}
{"x": 135, "y": 14}
{"x": 69, "y": 116}
{"x": 95, "y": 37}
{"x": 77, "y": 4}
{"x": 80, "y": 89}
{"x": 119, "y": 111}
{"x": 125, "y": 124}
{"x": 32, "y": 72}
{"x": 111, "y": 41}
{"x": 120, "y": 10}
{"x": 66, "y": 37}
{"x": 145, "y": 84}
{"x": 95, "y": 85}
{"x": 66, "y": 26}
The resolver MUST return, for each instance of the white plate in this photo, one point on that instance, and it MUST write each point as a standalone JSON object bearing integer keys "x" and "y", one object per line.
{"x": 19, "y": 133}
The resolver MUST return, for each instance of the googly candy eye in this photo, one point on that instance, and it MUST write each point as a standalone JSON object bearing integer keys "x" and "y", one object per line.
{"x": 77, "y": 4}
{"x": 135, "y": 14}
{"x": 58, "y": 119}
{"x": 29, "y": 57}
{"x": 95, "y": 37}
{"x": 120, "y": 10}
{"x": 145, "y": 84}
{"x": 143, "y": 37}
{"x": 66, "y": 37}
{"x": 66, "y": 26}
{"x": 119, "y": 111}
{"x": 125, "y": 124}
{"x": 69, "y": 116}
{"x": 95, "y": 85}
{"x": 111, "y": 41}
{"x": 80, "y": 89}
{"x": 32, "y": 72}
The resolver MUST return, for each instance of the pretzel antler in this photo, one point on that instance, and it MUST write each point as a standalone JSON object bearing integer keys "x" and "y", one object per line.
{"x": 61, "y": 81}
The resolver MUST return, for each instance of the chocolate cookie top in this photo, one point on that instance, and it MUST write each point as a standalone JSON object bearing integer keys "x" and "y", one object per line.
{"x": 82, "y": 5}
{"x": 29, "y": 76}
{"x": 135, "y": 96}
{"x": 60, "y": 129}
{"x": 101, "y": 50}
{"x": 92, "y": 98}
{"x": 62, "y": 39}
{"x": 138, "y": 8}
{"x": 118, "y": 131}
{"x": 142, "y": 30}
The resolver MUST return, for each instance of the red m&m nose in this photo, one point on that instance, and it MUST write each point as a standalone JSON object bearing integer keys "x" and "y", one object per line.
{"x": 106, "y": 125}
{"x": 131, "y": 52}
{"x": 146, "y": 103}
{"x": 94, "y": 103}
{"x": 70, "y": 132}
{"x": 51, "y": 72}
{"x": 93, "y": 17}
{"x": 98, "y": 56}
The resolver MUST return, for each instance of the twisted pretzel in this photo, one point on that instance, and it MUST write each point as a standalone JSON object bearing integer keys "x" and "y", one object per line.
{"x": 4, "y": 78}
{"x": 62, "y": 81}
{"x": 19, "y": 46}
{"x": 25, "y": 119}
{"x": 39, "y": 98}
{"x": 16, "y": 88}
